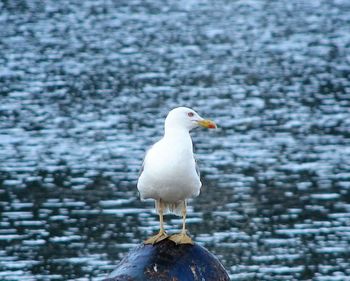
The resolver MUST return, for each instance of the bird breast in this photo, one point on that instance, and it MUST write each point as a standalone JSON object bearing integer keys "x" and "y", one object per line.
{"x": 171, "y": 162}
{"x": 169, "y": 172}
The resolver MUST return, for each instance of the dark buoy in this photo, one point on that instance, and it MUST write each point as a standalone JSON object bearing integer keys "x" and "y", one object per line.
{"x": 166, "y": 261}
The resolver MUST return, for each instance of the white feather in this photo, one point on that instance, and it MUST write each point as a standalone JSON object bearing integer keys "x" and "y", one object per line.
{"x": 169, "y": 170}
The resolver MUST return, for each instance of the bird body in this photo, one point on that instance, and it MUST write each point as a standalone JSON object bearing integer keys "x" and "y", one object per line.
{"x": 170, "y": 170}
{"x": 169, "y": 174}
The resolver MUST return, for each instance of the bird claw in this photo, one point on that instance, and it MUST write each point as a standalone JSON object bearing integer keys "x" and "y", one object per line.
{"x": 156, "y": 238}
{"x": 181, "y": 238}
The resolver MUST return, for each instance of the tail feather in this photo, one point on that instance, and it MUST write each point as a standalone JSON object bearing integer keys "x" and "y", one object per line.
{"x": 171, "y": 208}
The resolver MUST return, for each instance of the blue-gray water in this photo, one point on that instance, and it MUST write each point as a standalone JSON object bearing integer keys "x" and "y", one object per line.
{"x": 84, "y": 89}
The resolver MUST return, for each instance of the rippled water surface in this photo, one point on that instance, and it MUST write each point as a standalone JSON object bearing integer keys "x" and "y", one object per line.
{"x": 84, "y": 89}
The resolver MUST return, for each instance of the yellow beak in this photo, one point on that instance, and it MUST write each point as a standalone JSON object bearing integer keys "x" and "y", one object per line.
{"x": 207, "y": 124}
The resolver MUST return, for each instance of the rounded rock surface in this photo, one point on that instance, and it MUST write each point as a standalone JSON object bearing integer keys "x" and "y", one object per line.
{"x": 168, "y": 261}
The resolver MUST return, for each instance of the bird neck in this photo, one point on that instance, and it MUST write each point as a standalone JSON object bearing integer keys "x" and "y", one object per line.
{"x": 177, "y": 133}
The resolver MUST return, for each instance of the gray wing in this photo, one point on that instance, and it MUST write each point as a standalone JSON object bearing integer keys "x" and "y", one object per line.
{"x": 143, "y": 165}
{"x": 143, "y": 162}
{"x": 197, "y": 168}
{"x": 141, "y": 170}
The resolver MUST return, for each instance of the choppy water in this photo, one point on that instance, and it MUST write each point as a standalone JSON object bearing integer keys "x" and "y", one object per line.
{"x": 84, "y": 89}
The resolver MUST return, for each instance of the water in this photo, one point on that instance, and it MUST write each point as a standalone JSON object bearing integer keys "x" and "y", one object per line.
{"x": 84, "y": 89}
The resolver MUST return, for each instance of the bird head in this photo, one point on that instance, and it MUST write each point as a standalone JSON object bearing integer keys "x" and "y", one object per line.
{"x": 183, "y": 117}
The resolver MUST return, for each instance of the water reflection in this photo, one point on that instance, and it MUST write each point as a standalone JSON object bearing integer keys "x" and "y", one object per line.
{"x": 84, "y": 91}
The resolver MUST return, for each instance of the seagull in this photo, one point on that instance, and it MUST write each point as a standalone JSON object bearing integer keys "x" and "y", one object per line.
{"x": 169, "y": 174}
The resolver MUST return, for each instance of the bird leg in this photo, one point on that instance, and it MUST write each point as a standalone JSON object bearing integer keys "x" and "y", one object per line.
{"x": 162, "y": 234}
{"x": 182, "y": 237}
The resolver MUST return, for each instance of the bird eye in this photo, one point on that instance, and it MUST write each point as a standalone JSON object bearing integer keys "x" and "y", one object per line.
{"x": 190, "y": 114}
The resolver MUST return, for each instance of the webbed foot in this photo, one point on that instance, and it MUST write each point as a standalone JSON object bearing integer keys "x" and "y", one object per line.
{"x": 156, "y": 238}
{"x": 181, "y": 238}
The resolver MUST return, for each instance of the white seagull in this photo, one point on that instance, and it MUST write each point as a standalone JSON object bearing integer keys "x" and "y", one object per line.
{"x": 169, "y": 173}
